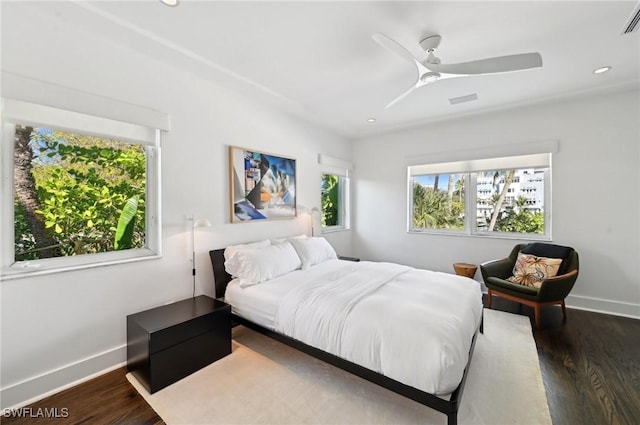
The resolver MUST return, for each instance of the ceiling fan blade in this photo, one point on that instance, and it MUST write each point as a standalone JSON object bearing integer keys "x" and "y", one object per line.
{"x": 490, "y": 66}
{"x": 399, "y": 49}
{"x": 402, "y": 96}
{"x": 393, "y": 45}
{"x": 445, "y": 76}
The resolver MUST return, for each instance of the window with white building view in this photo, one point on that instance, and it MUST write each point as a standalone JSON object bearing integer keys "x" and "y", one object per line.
{"x": 510, "y": 201}
{"x": 499, "y": 201}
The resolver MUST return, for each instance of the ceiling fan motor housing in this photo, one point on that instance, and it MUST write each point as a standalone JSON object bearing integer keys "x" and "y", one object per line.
{"x": 430, "y": 43}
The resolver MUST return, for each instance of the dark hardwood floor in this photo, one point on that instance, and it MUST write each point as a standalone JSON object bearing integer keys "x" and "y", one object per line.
{"x": 590, "y": 367}
{"x": 108, "y": 399}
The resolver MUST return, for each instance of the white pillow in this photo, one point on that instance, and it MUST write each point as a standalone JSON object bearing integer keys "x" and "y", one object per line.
{"x": 232, "y": 249}
{"x": 282, "y": 240}
{"x": 253, "y": 266}
{"x": 313, "y": 251}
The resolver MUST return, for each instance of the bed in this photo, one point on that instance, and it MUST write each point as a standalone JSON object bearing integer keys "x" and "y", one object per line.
{"x": 409, "y": 330}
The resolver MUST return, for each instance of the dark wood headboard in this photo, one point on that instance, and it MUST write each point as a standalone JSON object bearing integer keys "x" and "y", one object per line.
{"x": 220, "y": 275}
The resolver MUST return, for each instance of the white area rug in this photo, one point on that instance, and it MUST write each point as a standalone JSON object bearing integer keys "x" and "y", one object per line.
{"x": 266, "y": 382}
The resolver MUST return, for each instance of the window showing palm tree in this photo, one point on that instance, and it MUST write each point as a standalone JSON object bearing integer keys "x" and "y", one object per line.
{"x": 504, "y": 197}
{"x": 76, "y": 194}
{"x": 435, "y": 206}
{"x": 515, "y": 200}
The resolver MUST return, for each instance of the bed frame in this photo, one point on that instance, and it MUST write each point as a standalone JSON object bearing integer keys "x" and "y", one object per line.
{"x": 448, "y": 407}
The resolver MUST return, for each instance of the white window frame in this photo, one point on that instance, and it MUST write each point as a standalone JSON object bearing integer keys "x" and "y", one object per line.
{"x": 469, "y": 169}
{"x": 344, "y": 190}
{"x": 36, "y": 115}
{"x": 342, "y": 169}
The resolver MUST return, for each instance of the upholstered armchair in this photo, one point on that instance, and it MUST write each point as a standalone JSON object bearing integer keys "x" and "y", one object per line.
{"x": 551, "y": 291}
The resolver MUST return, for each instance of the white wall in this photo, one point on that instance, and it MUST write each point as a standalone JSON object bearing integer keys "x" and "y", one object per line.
{"x": 63, "y": 327}
{"x": 595, "y": 192}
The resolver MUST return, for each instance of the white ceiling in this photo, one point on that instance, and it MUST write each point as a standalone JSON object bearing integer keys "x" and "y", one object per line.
{"x": 318, "y": 59}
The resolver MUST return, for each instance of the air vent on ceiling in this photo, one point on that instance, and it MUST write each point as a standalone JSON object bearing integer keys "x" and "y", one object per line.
{"x": 462, "y": 99}
{"x": 632, "y": 24}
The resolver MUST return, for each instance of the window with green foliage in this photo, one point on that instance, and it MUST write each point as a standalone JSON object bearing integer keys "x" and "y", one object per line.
{"x": 79, "y": 197}
{"x": 438, "y": 201}
{"x": 506, "y": 202}
{"x": 76, "y": 194}
{"x": 334, "y": 190}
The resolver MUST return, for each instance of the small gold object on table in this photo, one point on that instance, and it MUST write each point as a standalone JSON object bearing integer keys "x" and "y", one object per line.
{"x": 465, "y": 269}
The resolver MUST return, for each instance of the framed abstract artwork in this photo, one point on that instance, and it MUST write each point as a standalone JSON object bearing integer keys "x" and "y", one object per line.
{"x": 263, "y": 185}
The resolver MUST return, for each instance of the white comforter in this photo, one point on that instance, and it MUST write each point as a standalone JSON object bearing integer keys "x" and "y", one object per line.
{"x": 414, "y": 326}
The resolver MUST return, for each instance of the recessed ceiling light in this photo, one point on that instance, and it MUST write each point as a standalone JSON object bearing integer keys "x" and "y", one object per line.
{"x": 371, "y": 120}
{"x": 171, "y": 3}
{"x": 601, "y": 70}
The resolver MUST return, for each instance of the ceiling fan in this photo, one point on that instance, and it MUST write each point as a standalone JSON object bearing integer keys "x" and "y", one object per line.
{"x": 431, "y": 70}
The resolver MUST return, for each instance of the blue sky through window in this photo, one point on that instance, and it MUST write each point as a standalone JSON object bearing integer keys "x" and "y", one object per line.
{"x": 429, "y": 181}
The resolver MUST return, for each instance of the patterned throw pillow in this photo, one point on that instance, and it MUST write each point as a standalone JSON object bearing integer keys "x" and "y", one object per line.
{"x": 531, "y": 270}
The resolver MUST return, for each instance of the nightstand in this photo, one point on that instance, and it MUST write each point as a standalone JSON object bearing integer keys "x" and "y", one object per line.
{"x": 167, "y": 343}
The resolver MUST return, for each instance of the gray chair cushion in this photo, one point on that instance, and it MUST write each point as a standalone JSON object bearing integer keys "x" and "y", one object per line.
{"x": 501, "y": 284}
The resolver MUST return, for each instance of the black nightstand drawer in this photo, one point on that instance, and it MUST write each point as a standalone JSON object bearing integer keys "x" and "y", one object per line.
{"x": 176, "y": 334}
{"x": 174, "y": 363}
{"x": 167, "y": 343}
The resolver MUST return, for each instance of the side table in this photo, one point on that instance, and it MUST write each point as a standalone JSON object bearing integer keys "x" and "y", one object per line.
{"x": 465, "y": 269}
{"x": 167, "y": 343}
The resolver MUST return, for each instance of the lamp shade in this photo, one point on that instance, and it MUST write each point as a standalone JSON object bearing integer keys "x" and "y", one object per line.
{"x": 202, "y": 222}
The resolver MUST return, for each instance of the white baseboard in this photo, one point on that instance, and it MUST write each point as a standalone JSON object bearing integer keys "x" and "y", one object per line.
{"x": 599, "y": 305}
{"x": 30, "y": 390}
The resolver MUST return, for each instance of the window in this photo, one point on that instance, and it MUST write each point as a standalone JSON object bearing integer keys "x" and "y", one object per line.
{"x": 82, "y": 190}
{"x": 334, "y": 190}
{"x": 510, "y": 207}
{"x": 507, "y": 197}
{"x": 335, "y": 195}
{"x": 438, "y": 201}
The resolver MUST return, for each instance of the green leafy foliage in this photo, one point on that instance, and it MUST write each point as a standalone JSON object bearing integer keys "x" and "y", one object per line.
{"x": 83, "y": 184}
{"x": 23, "y": 239}
{"x": 520, "y": 220}
{"x": 330, "y": 199}
{"x": 433, "y": 209}
{"x": 126, "y": 224}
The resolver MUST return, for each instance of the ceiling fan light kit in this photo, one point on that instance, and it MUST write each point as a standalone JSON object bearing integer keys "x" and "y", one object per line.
{"x": 432, "y": 70}
{"x": 430, "y": 77}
